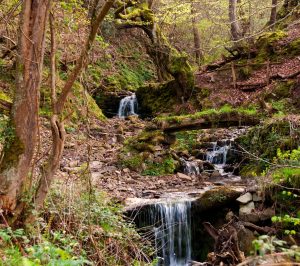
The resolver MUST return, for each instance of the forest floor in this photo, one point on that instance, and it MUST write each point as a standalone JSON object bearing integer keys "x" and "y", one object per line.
{"x": 99, "y": 147}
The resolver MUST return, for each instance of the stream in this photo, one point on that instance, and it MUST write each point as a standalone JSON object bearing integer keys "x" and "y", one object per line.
{"x": 170, "y": 222}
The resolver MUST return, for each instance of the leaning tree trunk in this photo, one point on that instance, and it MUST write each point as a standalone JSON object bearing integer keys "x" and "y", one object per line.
{"x": 18, "y": 153}
{"x": 234, "y": 23}
{"x": 57, "y": 126}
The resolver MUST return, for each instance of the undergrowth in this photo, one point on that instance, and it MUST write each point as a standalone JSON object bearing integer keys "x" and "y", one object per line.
{"x": 79, "y": 226}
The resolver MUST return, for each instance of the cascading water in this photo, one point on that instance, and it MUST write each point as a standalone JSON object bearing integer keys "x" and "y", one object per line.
{"x": 128, "y": 106}
{"x": 218, "y": 156}
{"x": 190, "y": 168}
{"x": 171, "y": 223}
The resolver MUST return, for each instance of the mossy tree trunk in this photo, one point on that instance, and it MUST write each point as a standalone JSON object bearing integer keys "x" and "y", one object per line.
{"x": 170, "y": 62}
{"x": 18, "y": 153}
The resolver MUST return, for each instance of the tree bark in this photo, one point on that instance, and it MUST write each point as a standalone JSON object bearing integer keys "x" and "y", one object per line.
{"x": 273, "y": 15}
{"x": 198, "y": 54}
{"x": 234, "y": 24}
{"x": 20, "y": 146}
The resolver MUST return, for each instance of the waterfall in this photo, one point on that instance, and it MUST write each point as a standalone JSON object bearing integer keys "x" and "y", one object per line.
{"x": 171, "y": 223}
{"x": 128, "y": 106}
{"x": 190, "y": 168}
{"x": 218, "y": 154}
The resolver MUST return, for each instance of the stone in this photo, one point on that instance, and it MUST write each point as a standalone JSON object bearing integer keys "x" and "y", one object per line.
{"x": 96, "y": 165}
{"x": 247, "y": 208}
{"x": 244, "y": 199}
{"x": 267, "y": 214}
{"x": 257, "y": 198}
{"x": 215, "y": 174}
{"x": 184, "y": 177}
{"x": 126, "y": 170}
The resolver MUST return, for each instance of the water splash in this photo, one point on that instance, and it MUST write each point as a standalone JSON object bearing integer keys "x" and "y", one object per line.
{"x": 128, "y": 106}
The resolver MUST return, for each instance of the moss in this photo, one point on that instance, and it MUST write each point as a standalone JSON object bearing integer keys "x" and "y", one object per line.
{"x": 214, "y": 115}
{"x": 245, "y": 72}
{"x": 5, "y": 97}
{"x": 13, "y": 147}
{"x": 167, "y": 166}
{"x": 293, "y": 48}
{"x": 267, "y": 46}
{"x": 156, "y": 98}
{"x": 216, "y": 198}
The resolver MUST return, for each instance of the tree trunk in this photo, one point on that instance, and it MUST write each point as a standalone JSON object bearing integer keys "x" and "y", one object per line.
{"x": 234, "y": 24}
{"x": 273, "y": 15}
{"x": 57, "y": 126}
{"x": 170, "y": 63}
{"x": 198, "y": 54}
{"x": 19, "y": 148}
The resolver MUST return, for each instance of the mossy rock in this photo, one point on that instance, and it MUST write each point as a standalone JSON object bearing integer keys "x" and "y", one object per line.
{"x": 216, "y": 198}
{"x": 157, "y": 98}
{"x": 282, "y": 90}
{"x": 267, "y": 46}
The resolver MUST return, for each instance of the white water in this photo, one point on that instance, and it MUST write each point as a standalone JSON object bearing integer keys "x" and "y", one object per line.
{"x": 190, "y": 168}
{"x": 171, "y": 222}
{"x": 128, "y": 106}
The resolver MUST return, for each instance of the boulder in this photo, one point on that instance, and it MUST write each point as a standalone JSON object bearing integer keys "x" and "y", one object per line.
{"x": 247, "y": 208}
{"x": 244, "y": 199}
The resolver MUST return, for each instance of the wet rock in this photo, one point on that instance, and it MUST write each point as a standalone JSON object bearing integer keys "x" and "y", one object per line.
{"x": 207, "y": 166}
{"x": 244, "y": 199}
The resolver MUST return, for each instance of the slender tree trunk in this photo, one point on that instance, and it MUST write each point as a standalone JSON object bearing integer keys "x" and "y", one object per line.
{"x": 57, "y": 126}
{"x": 19, "y": 148}
{"x": 234, "y": 24}
{"x": 198, "y": 54}
{"x": 273, "y": 15}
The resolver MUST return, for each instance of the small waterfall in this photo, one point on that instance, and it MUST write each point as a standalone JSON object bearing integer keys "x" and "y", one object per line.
{"x": 218, "y": 154}
{"x": 128, "y": 106}
{"x": 190, "y": 168}
{"x": 171, "y": 224}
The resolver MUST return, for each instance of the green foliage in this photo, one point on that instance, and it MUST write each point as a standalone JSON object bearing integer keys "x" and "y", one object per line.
{"x": 185, "y": 140}
{"x": 267, "y": 244}
{"x": 167, "y": 166}
{"x": 41, "y": 253}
